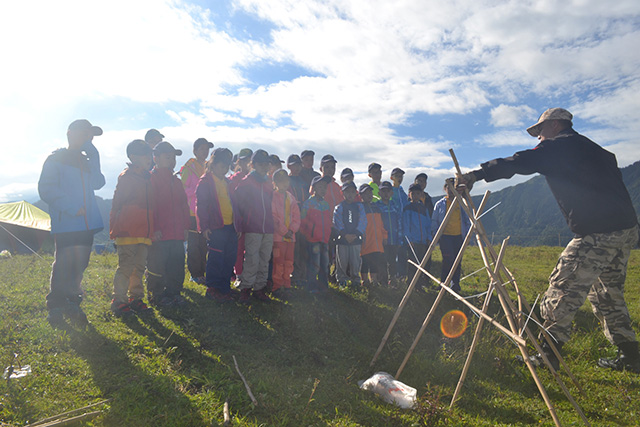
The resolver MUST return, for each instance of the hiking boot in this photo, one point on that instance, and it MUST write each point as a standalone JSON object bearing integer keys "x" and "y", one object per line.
{"x": 628, "y": 359}
{"x": 245, "y": 295}
{"x": 56, "y": 317}
{"x": 538, "y": 361}
{"x": 74, "y": 313}
{"x": 121, "y": 309}
{"x": 198, "y": 280}
{"x": 215, "y": 295}
{"x": 138, "y": 306}
{"x": 179, "y": 300}
{"x": 261, "y": 295}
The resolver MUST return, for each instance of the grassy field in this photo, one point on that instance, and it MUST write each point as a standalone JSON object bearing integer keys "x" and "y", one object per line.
{"x": 302, "y": 358}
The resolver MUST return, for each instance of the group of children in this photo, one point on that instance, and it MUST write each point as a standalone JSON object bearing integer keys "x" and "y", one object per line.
{"x": 259, "y": 226}
{"x": 264, "y": 228}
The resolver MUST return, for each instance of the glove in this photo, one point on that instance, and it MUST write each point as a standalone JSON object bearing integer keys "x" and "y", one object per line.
{"x": 466, "y": 179}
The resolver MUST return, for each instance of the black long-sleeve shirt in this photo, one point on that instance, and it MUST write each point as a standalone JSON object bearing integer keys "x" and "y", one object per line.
{"x": 583, "y": 177}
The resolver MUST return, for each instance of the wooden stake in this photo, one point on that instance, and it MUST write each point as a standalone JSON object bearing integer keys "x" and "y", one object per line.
{"x": 225, "y": 414}
{"x": 476, "y": 335}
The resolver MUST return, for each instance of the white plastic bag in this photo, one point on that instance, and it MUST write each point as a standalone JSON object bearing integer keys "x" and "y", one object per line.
{"x": 391, "y": 391}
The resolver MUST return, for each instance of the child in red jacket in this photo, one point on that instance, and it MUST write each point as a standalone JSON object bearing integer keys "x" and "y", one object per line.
{"x": 286, "y": 222}
{"x": 165, "y": 268}
{"x": 131, "y": 226}
{"x": 316, "y": 225}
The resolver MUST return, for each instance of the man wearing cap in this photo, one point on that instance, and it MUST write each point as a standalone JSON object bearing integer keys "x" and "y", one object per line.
{"x": 67, "y": 183}
{"x": 334, "y": 197}
{"x": 301, "y": 192}
{"x": 190, "y": 175}
{"x": 242, "y": 169}
{"x": 298, "y": 187}
{"x": 425, "y": 198}
{"x": 275, "y": 164}
{"x": 400, "y": 199}
{"x": 587, "y": 184}
{"x": 307, "y": 172}
{"x": 375, "y": 173}
{"x": 334, "y": 193}
{"x": 346, "y": 176}
{"x": 153, "y": 137}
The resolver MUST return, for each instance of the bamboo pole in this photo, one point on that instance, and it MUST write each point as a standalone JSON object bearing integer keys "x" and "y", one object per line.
{"x": 508, "y": 309}
{"x": 412, "y": 285}
{"x": 457, "y": 261}
{"x": 476, "y": 335}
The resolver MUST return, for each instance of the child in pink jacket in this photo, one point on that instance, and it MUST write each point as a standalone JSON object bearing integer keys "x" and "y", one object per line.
{"x": 286, "y": 222}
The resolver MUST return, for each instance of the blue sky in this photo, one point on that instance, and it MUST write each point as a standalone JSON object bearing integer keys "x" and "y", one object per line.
{"x": 394, "y": 82}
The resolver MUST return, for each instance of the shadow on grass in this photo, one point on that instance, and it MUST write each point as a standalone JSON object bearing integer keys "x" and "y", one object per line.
{"x": 129, "y": 385}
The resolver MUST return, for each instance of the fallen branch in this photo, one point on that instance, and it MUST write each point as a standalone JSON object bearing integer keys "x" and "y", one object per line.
{"x": 69, "y": 421}
{"x": 253, "y": 399}
{"x": 47, "y": 421}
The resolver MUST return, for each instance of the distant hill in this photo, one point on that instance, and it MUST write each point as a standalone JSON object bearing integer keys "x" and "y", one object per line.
{"x": 529, "y": 213}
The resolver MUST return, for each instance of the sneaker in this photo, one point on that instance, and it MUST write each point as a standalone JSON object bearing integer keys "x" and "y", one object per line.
{"x": 56, "y": 317}
{"x": 121, "y": 309}
{"x": 261, "y": 295}
{"x": 137, "y": 305}
{"x": 343, "y": 285}
{"x": 245, "y": 294}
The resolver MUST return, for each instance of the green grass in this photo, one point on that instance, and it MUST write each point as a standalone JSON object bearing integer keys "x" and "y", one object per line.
{"x": 302, "y": 358}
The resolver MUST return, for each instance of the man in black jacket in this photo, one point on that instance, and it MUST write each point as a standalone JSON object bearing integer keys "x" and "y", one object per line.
{"x": 587, "y": 184}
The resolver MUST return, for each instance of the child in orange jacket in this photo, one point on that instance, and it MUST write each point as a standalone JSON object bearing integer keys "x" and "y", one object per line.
{"x": 286, "y": 222}
{"x": 375, "y": 238}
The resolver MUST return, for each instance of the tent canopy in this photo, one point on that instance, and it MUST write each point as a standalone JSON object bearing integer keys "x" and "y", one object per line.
{"x": 24, "y": 214}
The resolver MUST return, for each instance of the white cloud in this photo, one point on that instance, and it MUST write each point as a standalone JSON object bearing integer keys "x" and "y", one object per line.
{"x": 371, "y": 65}
{"x": 507, "y": 115}
{"x": 507, "y": 138}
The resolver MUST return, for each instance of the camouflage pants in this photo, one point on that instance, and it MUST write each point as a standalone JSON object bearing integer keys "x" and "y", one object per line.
{"x": 594, "y": 267}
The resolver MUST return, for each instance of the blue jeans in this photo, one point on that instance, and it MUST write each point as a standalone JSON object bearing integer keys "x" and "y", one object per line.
{"x": 223, "y": 248}
{"x": 318, "y": 267}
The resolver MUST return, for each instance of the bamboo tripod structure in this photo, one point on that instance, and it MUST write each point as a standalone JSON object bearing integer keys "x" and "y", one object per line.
{"x": 516, "y": 317}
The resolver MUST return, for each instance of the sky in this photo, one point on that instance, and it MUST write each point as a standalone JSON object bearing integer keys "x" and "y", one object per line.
{"x": 398, "y": 83}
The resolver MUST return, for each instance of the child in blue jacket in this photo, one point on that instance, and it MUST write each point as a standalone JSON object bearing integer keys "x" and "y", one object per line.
{"x": 416, "y": 226}
{"x": 392, "y": 221}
